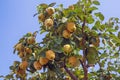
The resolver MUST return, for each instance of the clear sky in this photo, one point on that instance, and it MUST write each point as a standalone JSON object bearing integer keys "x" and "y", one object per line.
{"x": 16, "y": 19}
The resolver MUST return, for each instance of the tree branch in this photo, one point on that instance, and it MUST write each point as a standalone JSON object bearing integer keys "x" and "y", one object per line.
{"x": 84, "y": 52}
{"x": 69, "y": 72}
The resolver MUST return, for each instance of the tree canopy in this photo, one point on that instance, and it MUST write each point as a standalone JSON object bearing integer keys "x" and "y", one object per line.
{"x": 78, "y": 45}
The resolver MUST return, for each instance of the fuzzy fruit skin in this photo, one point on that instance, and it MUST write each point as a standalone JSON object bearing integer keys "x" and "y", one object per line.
{"x": 37, "y": 65}
{"x": 50, "y": 55}
{"x": 20, "y": 72}
{"x": 41, "y": 17}
{"x": 49, "y": 23}
{"x": 71, "y": 27}
{"x": 67, "y": 48}
{"x": 28, "y": 50}
{"x": 71, "y": 7}
{"x": 66, "y": 34}
{"x": 23, "y": 65}
{"x": 43, "y": 60}
{"x": 21, "y": 54}
{"x": 50, "y": 11}
{"x": 73, "y": 61}
{"x": 19, "y": 47}
{"x": 31, "y": 40}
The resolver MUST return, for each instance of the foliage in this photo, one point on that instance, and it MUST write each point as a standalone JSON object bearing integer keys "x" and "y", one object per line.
{"x": 76, "y": 39}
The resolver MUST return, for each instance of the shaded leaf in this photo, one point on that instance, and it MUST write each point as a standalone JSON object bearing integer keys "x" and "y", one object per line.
{"x": 103, "y": 55}
{"x": 116, "y": 55}
{"x": 12, "y": 67}
{"x": 51, "y": 5}
{"x": 96, "y": 2}
{"x": 9, "y": 76}
{"x": 111, "y": 68}
{"x": 119, "y": 34}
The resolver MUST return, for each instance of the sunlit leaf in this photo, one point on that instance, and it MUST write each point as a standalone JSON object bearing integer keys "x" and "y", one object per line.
{"x": 115, "y": 38}
{"x": 96, "y": 2}
{"x": 90, "y": 19}
{"x": 92, "y": 9}
{"x": 100, "y": 15}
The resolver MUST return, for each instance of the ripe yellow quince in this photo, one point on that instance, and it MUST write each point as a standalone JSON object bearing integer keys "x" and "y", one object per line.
{"x": 71, "y": 27}
{"x": 41, "y": 17}
{"x": 23, "y": 65}
{"x": 43, "y": 60}
{"x": 37, "y": 65}
{"x": 50, "y": 11}
{"x": 31, "y": 40}
{"x": 66, "y": 34}
{"x": 67, "y": 48}
{"x": 48, "y": 23}
{"x": 50, "y": 55}
{"x": 73, "y": 61}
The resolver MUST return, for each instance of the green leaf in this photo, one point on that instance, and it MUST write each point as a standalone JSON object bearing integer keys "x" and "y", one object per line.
{"x": 58, "y": 40}
{"x": 118, "y": 70}
{"x": 41, "y": 7}
{"x": 115, "y": 38}
{"x": 42, "y": 31}
{"x": 102, "y": 63}
{"x": 100, "y": 15}
{"x": 12, "y": 67}
{"x": 110, "y": 30}
{"x": 116, "y": 55}
{"x": 76, "y": 51}
{"x": 103, "y": 55}
{"x": 116, "y": 27}
{"x": 9, "y": 76}
{"x": 97, "y": 25}
{"x": 92, "y": 9}
{"x": 111, "y": 68}
{"x": 96, "y": 2}
{"x": 51, "y": 5}
{"x": 90, "y": 19}
{"x": 117, "y": 20}
{"x": 102, "y": 27}
{"x": 119, "y": 34}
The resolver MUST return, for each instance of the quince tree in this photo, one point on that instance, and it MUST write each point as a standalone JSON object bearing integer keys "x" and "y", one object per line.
{"x": 78, "y": 45}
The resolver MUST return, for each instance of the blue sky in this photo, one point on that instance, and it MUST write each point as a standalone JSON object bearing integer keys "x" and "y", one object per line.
{"x": 16, "y": 19}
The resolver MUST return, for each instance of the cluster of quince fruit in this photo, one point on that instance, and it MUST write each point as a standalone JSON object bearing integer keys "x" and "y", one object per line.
{"x": 46, "y": 17}
{"x": 24, "y": 51}
{"x": 70, "y": 28}
{"x": 47, "y": 20}
{"x": 23, "y": 46}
